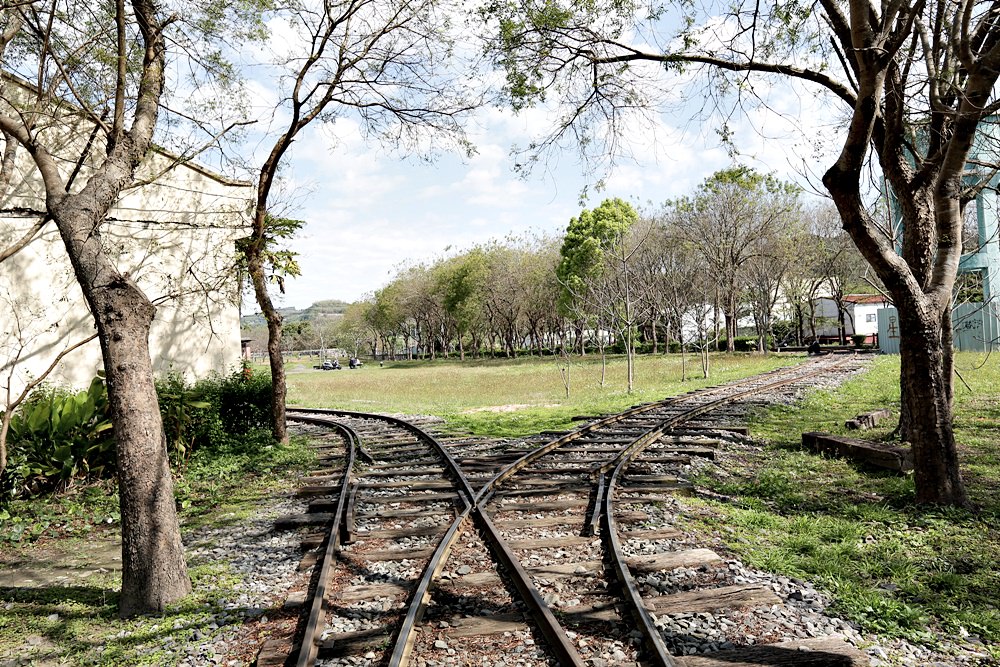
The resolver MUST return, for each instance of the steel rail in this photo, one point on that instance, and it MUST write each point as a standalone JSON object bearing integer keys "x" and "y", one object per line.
{"x": 422, "y": 594}
{"x": 512, "y": 468}
{"x": 416, "y": 430}
{"x": 649, "y": 436}
{"x": 309, "y": 647}
{"x": 651, "y": 635}
{"x": 559, "y": 642}
{"x": 548, "y": 624}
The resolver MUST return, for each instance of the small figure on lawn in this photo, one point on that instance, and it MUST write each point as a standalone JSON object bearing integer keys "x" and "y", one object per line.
{"x": 814, "y": 347}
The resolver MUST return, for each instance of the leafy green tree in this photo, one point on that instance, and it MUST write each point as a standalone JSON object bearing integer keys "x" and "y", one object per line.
{"x": 353, "y": 329}
{"x": 387, "y": 318}
{"x": 461, "y": 281}
{"x": 594, "y": 269}
{"x": 732, "y": 219}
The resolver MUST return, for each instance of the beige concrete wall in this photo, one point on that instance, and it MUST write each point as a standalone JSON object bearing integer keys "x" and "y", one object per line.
{"x": 175, "y": 237}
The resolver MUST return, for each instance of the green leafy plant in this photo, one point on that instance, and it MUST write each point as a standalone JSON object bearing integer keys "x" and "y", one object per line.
{"x": 182, "y": 409}
{"x": 57, "y": 437}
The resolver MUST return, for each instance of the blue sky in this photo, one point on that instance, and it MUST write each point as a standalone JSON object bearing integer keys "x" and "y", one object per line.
{"x": 369, "y": 213}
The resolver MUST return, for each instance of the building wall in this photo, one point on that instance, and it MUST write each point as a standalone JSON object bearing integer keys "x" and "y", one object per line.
{"x": 175, "y": 237}
{"x": 826, "y": 318}
{"x": 866, "y": 318}
{"x": 859, "y": 318}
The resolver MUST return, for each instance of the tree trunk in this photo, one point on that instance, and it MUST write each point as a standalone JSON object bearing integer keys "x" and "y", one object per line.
{"x": 841, "y": 325}
{"x": 925, "y": 380}
{"x": 730, "y": 328}
{"x": 154, "y": 572}
{"x": 799, "y": 332}
{"x": 680, "y": 339}
{"x": 255, "y": 267}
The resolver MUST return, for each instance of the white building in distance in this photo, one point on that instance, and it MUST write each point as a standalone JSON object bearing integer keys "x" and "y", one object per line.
{"x": 860, "y": 316}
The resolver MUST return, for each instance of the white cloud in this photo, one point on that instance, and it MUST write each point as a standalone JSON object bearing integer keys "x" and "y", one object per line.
{"x": 369, "y": 212}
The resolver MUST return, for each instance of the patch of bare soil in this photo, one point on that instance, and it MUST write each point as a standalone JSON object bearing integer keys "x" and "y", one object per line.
{"x": 60, "y": 562}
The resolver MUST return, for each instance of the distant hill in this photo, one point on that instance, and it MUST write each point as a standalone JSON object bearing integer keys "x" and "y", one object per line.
{"x": 329, "y": 308}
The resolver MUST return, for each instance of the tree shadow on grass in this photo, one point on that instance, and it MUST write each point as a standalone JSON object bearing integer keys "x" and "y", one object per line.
{"x": 80, "y": 619}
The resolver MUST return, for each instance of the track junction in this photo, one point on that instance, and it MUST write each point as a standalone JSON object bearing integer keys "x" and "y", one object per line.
{"x": 431, "y": 550}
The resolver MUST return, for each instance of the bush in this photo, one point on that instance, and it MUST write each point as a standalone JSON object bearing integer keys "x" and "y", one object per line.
{"x": 674, "y": 346}
{"x": 859, "y": 339}
{"x": 56, "y": 437}
{"x": 213, "y": 412}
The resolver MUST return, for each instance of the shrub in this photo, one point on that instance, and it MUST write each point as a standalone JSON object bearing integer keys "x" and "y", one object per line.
{"x": 674, "y": 346}
{"x": 859, "y": 339}
{"x": 242, "y": 399}
{"x": 214, "y": 411}
{"x": 58, "y": 436}
{"x": 183, "y": 412}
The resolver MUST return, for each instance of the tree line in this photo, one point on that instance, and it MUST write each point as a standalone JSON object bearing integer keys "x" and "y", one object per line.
{"x": 743, "y": 246}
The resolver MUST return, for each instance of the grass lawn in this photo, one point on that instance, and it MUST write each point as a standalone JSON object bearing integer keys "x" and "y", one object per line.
{"x": 896, "y": 569}
{"x": 512, "y": 397}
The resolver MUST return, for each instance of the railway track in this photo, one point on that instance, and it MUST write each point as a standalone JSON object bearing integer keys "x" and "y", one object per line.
{"x": 560, "y": 552}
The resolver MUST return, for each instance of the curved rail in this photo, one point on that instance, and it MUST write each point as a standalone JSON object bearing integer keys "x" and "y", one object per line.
{"x": 309, "y": 646}
{"x": 651, "y": 636}
{"x": 473, "y": 504}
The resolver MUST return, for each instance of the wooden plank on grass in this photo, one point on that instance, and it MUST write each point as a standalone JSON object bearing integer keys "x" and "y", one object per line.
{"x": 889, "y": 457}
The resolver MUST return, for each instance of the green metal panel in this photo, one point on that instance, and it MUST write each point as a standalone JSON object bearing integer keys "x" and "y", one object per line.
{"x": 888, "y": 331}
{"x": 976, "y": 328}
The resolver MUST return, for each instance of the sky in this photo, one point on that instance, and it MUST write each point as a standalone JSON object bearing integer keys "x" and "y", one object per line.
{"x": 368, "y": 212}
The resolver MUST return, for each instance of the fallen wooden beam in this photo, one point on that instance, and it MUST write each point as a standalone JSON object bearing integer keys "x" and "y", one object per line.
{"x": 889, "y": 457}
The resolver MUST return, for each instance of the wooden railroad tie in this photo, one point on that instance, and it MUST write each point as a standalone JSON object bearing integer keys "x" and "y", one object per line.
{"x": 829, "y": 651}
{"x": 889, "y": 457}
{"x": 867, "y": 420}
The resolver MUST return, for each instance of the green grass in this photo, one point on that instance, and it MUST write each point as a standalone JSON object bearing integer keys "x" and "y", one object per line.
{"x": 77, "y": 623}
{"x": 894, "y": 568}
{"x": 512, "y": 397}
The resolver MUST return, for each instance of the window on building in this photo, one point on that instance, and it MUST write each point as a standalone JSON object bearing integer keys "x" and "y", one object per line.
{"x": 870, "y": 317}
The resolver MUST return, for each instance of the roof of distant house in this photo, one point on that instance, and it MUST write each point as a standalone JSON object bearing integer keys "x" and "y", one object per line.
{"x": 865, "y": 298}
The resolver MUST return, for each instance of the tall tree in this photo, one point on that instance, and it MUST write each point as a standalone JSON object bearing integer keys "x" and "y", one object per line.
{"x": 461, "y": 283}
{"x": 72, "y": 51}
{"x": 775, "y": 256}
{"x": 385, "y": 63}
{"x": 731, "y": 220}
{"x": 914, "y": 82}
{"x": 595, "y": 269}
